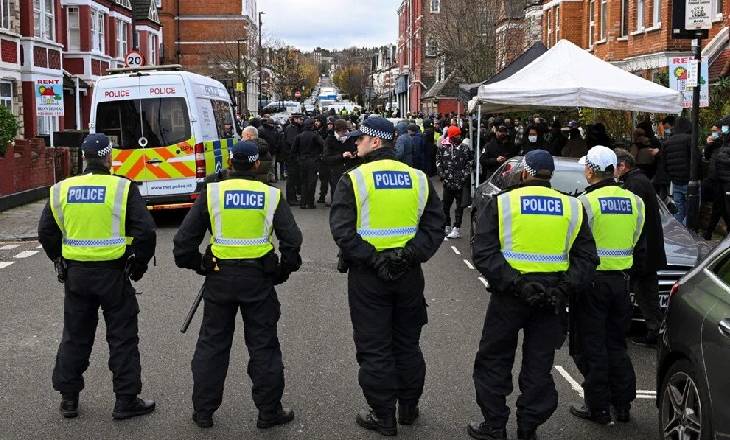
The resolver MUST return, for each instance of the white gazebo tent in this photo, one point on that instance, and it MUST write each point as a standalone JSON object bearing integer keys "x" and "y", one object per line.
{"x": 568, "y": 76}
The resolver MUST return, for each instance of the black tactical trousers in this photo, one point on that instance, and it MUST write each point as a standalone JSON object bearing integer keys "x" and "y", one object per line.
{"x": 324, "y": 181}
{"x": 543, "y": 333}
{"x": 603, "y": 316}
{"x": 308, "y": 180}
{"x": 646, "y": 292}
{"x": 387, "y": 318}
{"x": 292, "y": 181}
{"x": 227, "y": 292}
{"x": 87, "y": 288}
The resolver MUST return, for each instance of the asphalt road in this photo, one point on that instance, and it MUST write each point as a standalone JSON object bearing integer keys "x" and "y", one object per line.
{"x": 316, "y": 339}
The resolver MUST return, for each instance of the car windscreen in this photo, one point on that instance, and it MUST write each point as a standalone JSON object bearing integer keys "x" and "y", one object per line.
{"x": 161, "y": 121}
{"x": 567, "y": 181}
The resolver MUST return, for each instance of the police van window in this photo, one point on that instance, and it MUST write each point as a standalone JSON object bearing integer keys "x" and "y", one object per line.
{"x": 162, "y": 121}
{"x": 223, "y": 119}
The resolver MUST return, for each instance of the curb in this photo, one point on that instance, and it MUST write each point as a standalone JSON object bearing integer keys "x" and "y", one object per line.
{"x": 19, "y": 238}
{"x": 23, "y": 198}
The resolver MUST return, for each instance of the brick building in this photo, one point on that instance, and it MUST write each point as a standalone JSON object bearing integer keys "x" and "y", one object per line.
{"x": 519, "y": 26}
{"x": 384, "y": 70}
{"x": 207, "y": 36}
{"x": 148, "y": 30}
{"x": 633, "y": 34}
{"x": 11, "y": 90}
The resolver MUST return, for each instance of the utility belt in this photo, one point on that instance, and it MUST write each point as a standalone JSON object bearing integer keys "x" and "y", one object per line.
{"x": 612, "y": 273}
{"x": 268, "y": 263}
{"x": 119, "y": 263}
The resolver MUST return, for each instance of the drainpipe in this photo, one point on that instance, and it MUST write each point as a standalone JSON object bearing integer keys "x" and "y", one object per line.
{"x": 78, "y": 104}
{"x": 177, "y": 30}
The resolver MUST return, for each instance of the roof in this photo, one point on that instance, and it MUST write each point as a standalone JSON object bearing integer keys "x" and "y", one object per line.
{"x": 515, "y": 8}
{"x": 145, "y": 10}
{"x": 447, "y": 87}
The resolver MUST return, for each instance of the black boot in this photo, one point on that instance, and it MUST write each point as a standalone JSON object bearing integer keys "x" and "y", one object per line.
{"x": 602, "y": 417}
{"x": 407, "y": 414}
{"x": 482, "y": 431}
{"x": 623, "y": 413}
{"x": 132, "y": 406}
{"x": 526, "y": 434}
{"x": 383, "y": 425}
{"x": 649, "y": 340}
{"x": 69, "y": 405}
{"x": 282, "y": 416}
{"x": 203, "y": 420}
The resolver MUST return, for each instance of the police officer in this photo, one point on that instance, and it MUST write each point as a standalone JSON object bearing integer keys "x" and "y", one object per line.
{"x": 533, "y": 246}
{"x": 603, "y": 312}
{"x": 384, "y": 248}
{"x": 241, "y": 270}
{"x": 85, "y": 229}
{"x": 293, "y": 184}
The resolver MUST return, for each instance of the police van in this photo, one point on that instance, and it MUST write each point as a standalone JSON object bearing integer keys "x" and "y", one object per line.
{"x": 169, "y": 129}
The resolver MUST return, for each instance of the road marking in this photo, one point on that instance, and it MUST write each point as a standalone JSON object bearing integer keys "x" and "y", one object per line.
{"x": 40, "y": 246}
{"x": 8, "y": 247}
{"x": 456, "y": 251}
{"x": 468, "y": 264}
{"x": 26, "y": 254}
{"x": 486, "y": 284}
{"x": 4, "y": 264}
{"x": 573, "y": 383}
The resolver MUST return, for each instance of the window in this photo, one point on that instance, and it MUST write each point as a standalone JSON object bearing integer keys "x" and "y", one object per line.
{"x": 44, "y": 19}
{"x": 604, "y": 19}
{"x": 431, "y": 47}
{"x": 74, "y": 31}
{"x": 557, "y": 24}
{"x": 441, "y": 71}
{"x": 153, "y": 50}
{"x": 435, "y": 6}
{"x": 97, "y": 31}
{"x": 717, "y": 6}
{"x": 47, "y": 124}
{"x": 591, "y": 22}
{"x": 5, "y": 14}
{"x": 223, "y": 119}
{"x": 657, "y": 13}
{"x": 122, "y": 38}
{"x": 164, "y": 121}
{"x": 639, "y": 15}
{"x": 6, "y": 94}
{"x": 549, "y": 21}
{"x": 624, "y": 31}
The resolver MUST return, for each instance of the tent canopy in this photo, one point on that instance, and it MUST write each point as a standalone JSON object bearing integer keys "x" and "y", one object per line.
{"x": 568, "y": 76}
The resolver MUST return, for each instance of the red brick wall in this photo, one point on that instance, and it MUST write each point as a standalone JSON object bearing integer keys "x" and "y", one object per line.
{"x": 29, "y": 120}
{"x": 85, "y": 28}
{"x": 9, "y": 51}
{"x": 74, "y": 65}
{"x": 40, "y": 56}
{"x": 54, "y": 59}
{"x": 29, "y": 164}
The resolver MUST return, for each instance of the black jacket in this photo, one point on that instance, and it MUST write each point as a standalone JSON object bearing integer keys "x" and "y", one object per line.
{"x": 197, "y": 222}
{"x": 291, "y": 132}
{"x": 333, "y": 151}
{"x": 343, "y": 222}
{"x": 307, "y": 145}
{"x": 271, "y": 136}
{"x": 139, "y": 225}
{"x": 638, "y": 183}
{"x": 489, "y": 260}
{"x": 494, "y": 149}
{"x": 677, "y": 152}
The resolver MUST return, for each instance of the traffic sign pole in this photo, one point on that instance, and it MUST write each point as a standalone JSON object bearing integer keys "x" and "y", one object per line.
{"x": 693, "y": 189}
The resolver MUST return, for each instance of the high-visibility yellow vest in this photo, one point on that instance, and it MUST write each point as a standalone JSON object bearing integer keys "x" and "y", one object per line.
{"x": 390, "y": 198}
{"x": 537, "y": 228}
{"x": 616, "y": 218}
{"x": 241, "y": 218}
{"x": 91, "y": 212}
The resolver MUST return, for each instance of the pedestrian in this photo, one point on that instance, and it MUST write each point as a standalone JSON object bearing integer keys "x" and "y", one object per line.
{"x": 293, "y": 187}
{"x": 383, "y": 249}
{"x": 241, "y": 269}
{"x": 534, "y": 140}
{"x": 340, "y": 153}
{"x": 722, "y": 176}
{"x": 264, "y": 173}
{"x": 678, "y": 154}
{"x": 323, "y": 170}
{"x": 712, "y": 186}
{"x": 576, "y": 146}
{"x": 454, "y": 164}
{"x": 557, "y": 139}
{"x": 603, "y": 312}
{"x": 429, "y": 143}
{"x": 269, "y": 133}
{"x": 644, "y": 282}
{"x": 534, "y": 248}
{"x": 403, "y": 144}
{"x": 496, "y": 153}
{"x": 419, "y": 150}
{"x": 308, "y": 148}
{"x": 644, "y": 151}
{"x": 83, "y": 230}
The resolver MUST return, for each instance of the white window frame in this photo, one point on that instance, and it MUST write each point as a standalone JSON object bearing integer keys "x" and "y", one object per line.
{"x": 603, "y": 20}
{"x": 591, "y": 22}
{"x": 73, "y": 29}
{"x": 7, "y": 101}
{"x": 41, "y": 29}
{"x": 549, "y": 28}
{"x": 153, "y": 48}
{"x": 122, "y": 36}
{"x": 640, "y": 7}
{"x": 44, "y": 128}
{"x": 624, "y": 26}
{"x": 656, "y": 14}
{"x": 557, "y": 24}
{"x": 717, "y": 9}
{"x": 437, "y": 9}
{"x": 97, "y": 31}
{"x": 431, "y": 47}
{"x": 5, "y": 14}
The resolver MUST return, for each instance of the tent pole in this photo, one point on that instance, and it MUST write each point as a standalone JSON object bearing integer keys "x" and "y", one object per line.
{"x": 479, "y": 144}
{"x": 471, "y": 139}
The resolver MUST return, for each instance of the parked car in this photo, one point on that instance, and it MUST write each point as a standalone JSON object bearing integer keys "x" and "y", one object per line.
{"x": 681, "y": 247}
{"x": 693, "y": 384}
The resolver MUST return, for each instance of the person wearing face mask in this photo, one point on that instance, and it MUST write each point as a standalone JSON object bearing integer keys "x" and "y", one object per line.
{"x": 382, "y": 250}
{"x": 340, "y": 153}
{"x": 720, "y": 171}
{"x": 496, "y": 152}
{"x": 678, "y": 155}
{"x": 535, "y": 140}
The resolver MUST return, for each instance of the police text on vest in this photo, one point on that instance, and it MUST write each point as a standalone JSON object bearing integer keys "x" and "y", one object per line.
{"x": 615, "y": 205}
{"x": 86, "y": 194}
{"x": 244, "y": 200}
{"x": 541, "y": 205}
{"x": 392, "y": 180}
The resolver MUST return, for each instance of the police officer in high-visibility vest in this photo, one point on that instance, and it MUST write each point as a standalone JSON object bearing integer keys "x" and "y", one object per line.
{"x": 603, "y": 313}
{"x": 97, "y": 230}
{"x": 241, "y": 269}
{"x": 533, "y": 246}
{"x": 387, "y": 220}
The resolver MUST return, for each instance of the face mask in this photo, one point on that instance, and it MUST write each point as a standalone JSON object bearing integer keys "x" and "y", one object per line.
{"x": 715, "y": 135}
{"x": 725, "y": 129}
{"x": 668, "y": 131}
{"x": 532, "y": 139}
{"x": 342, "y": 138}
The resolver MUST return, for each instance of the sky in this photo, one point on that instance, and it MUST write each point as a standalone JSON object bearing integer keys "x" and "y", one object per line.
{"x": 331, "y": 24}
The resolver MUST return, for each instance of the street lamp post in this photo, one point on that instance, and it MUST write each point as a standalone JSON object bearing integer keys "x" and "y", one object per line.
{"x": 241, "y": 93}
{"x": 261, "y": 59}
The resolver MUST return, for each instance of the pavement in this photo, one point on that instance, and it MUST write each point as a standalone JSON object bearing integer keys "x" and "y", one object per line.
{"x": 21, "y": 223}
{"x": 316, "y": 338}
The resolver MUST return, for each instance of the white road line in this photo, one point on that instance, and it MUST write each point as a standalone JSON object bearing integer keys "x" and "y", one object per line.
{"x": 40, "y": 246}
{"x": 646, "y": 392}
{"x": 468, "y": 264}
{"x": 8, "y": 247}
{"x": 4, "y": 264}
{"x": 26, "y": 254}
{"x": 486, "y": 284}
{"x": 456, "y": 251}
{"x": 573, "y": 383}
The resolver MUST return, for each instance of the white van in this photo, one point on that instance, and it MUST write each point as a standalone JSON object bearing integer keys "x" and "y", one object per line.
{"x": 169, "y": 128}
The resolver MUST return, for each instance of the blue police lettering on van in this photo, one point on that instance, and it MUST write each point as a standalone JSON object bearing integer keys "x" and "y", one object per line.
{"x": 392, "y": 180}
{"x": 541, "y": 205}
{"x": 244, "y": 200}
{"x": 615, "y": 205}
{"x": 86, "y": 194}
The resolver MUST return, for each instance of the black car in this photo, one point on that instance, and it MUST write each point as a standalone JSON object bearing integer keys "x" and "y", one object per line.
{"x": 681, "y": 247}
{"x": 693, "y": 383}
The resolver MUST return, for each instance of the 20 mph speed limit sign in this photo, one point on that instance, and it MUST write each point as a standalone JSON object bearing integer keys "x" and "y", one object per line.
{"x": 134, "y": 59}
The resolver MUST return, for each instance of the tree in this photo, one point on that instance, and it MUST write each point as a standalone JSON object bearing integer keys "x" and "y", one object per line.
{"x": 292, "y": 71}
{"x": 352, "y": 76}
{"x": 235, "y": 61}
{"x": 8, "y": 128}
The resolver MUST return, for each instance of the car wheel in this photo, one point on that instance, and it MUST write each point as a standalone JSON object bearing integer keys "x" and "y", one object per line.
{"x": 684, "y": 410}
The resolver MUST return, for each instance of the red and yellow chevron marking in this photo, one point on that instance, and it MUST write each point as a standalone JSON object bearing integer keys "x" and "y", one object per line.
{"x": 175, "y": 162}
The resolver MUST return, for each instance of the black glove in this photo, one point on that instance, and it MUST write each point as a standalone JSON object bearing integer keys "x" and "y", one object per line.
{"x": 281, "y": 276}
{"x": 532, "y": 292}
{"x": 558, "y": 296}
{"x": 137, "y": 270}
{"x": 208, "y": 263}
{"x": 60, "y": 265}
